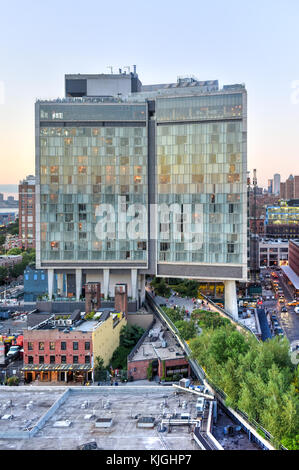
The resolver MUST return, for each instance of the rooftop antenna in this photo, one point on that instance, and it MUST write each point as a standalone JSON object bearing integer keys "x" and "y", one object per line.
{"x": 111, "y": 68}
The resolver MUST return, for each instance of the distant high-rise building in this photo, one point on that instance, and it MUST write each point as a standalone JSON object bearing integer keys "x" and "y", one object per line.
{"x": 282, "y": 190}
{"x": 270, "y": 186}
{"x": 276, "y": 181}
{"x": 290, "y": 187}
{"x": 27, "y": 212}
{"x": 296, "y": 187}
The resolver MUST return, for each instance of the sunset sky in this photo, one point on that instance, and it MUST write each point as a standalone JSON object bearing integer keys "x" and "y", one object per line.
{"x": 255, "y": 43}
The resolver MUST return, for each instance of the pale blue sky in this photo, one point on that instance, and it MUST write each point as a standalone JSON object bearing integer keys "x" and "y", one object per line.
{"x": 255, "y": 43}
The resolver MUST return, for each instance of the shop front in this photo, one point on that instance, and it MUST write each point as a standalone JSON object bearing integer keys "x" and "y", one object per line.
{"x": 61, "y": 373}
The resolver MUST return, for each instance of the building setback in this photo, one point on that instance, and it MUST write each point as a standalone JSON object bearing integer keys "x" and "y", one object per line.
{"x": 167, "y": 162}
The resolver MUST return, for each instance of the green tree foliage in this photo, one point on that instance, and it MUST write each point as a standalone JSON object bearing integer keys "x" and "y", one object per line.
{"x": 187, "y": 329}
{"x": 3, "y": 274}
{"x": 174, "y": 314}
{"x": 208, "y": 319}
{"x": 186, "y": 288}
{"x": 119, "y": 358}
{"x": 257, "y": 377}
{"x": 100, "y": 372}
{"x": 14, "y": 251}
{"x": 28, "y": 258}
{"x": 129, "y": 335}
{"x": 160, "y": 286}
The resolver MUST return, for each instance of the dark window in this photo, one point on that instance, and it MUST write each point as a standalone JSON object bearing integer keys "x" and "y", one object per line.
{"x": 41, "y": 359}
{"x": 30, "y": 346}
{"x": 75, "y": 359}
{"x": 63, "y": 359}
{"x": 52, "y": 359}
{"x": 41, "y": 346}
{"x": 63, "y": 345}
{"x": 87, "y": 359}
{"x": 75, "y": 346}
{"x": 30, "y": 359}
{"x": 87, "y": 346}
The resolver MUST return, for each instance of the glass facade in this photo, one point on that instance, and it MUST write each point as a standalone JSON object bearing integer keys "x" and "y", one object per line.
{"x": 81, "y": 168}
{"x": 202, "y": 165}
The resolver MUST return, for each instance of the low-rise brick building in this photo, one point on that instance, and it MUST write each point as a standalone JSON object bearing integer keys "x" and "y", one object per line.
{"x": 66, "y": 353}
{"x": 160, "y": 350}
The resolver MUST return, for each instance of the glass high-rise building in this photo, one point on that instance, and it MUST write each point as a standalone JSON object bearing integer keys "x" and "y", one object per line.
{"x": 147, "y": 180}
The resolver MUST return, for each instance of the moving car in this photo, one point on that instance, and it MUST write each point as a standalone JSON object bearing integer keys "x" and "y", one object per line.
{"x": 284, "y": 308}
{"x": 293, "y": 303}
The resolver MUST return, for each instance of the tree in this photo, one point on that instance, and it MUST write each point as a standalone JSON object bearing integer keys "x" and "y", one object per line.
{"x": 14, "y": 251}
{"x": 3, "y": 274}
{"x": 186, "y": 329}
{"x": 119, "y": 358}
{"x": 174, "y": 314}
{"x": 100, "y": 372}
{"x": 130, "y": 335}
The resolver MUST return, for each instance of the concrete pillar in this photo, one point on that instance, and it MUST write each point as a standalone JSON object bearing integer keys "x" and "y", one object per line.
{"x": 78, "y": 283}
{"x": 230, "y": 298}
{"x": 142, "y": 289}
{"x": 50, "y": 283}
{"x": 106, "y": 277}
{"x": 60, "y": 284}
{"x": 134, "y": 284}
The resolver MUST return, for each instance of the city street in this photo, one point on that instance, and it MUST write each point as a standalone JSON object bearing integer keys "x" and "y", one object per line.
{"x": 289, "y": 320}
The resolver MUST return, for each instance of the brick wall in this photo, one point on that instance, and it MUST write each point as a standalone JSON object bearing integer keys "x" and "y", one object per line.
{"x": 47, "y": 336}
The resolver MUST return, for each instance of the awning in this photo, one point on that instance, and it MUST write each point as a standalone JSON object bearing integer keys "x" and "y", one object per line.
{"x": 58, "y": 367}
{"x": 293, "y": 277}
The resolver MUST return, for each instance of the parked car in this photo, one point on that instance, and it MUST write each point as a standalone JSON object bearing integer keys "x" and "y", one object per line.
{"x": 14, "y": 352}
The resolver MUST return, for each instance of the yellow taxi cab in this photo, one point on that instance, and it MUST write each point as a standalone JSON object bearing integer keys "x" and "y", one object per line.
{"x": 281, "y": 300}
{"x": 293, "y": 303}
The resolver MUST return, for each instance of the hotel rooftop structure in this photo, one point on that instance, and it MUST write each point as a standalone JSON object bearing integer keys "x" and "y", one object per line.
{"x": 134, "y": 180}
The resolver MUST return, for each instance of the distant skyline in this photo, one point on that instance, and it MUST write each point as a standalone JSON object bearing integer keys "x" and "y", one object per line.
{"x": 254, "y": 43}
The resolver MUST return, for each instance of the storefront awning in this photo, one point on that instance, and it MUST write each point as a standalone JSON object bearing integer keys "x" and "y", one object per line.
{"x": 293, "y": 277}
{"x": 58, "y": 367}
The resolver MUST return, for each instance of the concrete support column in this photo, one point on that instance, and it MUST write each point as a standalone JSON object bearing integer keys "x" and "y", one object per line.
{"x": 230, "y": 298}
{"x": 142, "y": 289}
{"x": 134, "y": 284}
{"x": 50, "y": 283}
{"x": 60, "y": 284}
{"x": 78, "y": 283}
{"x": 106, "y": 277}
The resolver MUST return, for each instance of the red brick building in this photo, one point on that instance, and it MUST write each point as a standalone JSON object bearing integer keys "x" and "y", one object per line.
{"x": 160, "y": 350}
{"x": 52, "y": 355}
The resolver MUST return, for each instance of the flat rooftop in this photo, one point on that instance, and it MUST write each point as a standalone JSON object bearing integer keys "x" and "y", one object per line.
{"x": 72, "y": 421}
{"x": 152, "y": 346}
